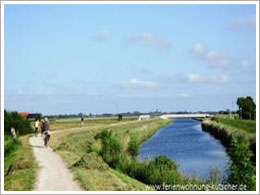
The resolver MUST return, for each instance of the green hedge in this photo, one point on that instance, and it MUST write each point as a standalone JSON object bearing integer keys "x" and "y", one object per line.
{"x": 13, "y": 119}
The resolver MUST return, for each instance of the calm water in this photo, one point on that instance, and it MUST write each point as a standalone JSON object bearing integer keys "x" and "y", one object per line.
{"x": 194, "y": 150}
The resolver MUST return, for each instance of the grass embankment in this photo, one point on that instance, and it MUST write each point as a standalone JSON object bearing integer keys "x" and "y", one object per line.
{"x": 80, "y": 150}
{"x": 224, "y": 129}
{"x": 238, "y": 136}
{"x": 248, "y": 126}
{"x": 19, "y": 164}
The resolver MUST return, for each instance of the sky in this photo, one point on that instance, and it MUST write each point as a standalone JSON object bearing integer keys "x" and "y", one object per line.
{"x": 62, "y": 59}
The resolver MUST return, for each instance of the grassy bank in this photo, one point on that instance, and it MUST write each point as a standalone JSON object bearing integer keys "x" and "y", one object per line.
{"x": 224, "y": 129}
{"x": 238, "y": 136}
{"x": 248, "y": 126}
{"x": 19, "y": 165}
{"x": 80, "y": 150}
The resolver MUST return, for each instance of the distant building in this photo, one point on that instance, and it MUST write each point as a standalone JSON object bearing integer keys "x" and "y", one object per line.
{"x": 30, "y": 116}
{"x": 144, "y": 117}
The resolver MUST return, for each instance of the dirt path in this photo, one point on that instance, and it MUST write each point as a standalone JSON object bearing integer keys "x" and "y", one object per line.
{"x": 53, "y": 174}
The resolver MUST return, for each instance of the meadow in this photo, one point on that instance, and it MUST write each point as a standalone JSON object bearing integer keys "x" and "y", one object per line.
{"x": 248, "y": 126}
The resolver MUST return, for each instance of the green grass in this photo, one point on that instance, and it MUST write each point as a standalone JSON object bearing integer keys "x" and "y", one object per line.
{"x": 226, "y": 128}
{"x": 76, "y": 122}
{"x": 19, "y": 165}
{"x": 230, "y": 126}
{"x": 248, "y": 126}
{"x": 79, "y": 149}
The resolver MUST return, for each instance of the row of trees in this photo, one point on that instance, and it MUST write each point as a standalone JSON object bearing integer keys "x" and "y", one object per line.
{"x": 246, "y": 108}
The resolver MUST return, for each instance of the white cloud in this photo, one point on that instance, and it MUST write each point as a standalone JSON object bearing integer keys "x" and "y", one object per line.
{"x": 103, "y": 35}
{"x": 149, "y": 39}
{"x": 184, "y": 95}
{"x": 243, "y": 22}
{"x": 198, "y": 48}
{"x": 194, "y": 77}
{"x": 217, "y": 59}
{"x": 210, "y": 57}
{"x": 136, "y": 83}
{"x": 197, "y": 78}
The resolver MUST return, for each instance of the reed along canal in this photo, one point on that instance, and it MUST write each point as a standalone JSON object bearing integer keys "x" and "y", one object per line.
{"x": 195, "y": 151}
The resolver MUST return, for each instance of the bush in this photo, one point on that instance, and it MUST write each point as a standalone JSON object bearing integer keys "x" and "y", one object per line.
{"x": 162, "y": 170}
{"x": 13, "y": 119}
{"x": 242, "y": 170}
{"x": 111, "y": 148}
{"x": 133, "y": 147}
{"x": 157, "y": 171}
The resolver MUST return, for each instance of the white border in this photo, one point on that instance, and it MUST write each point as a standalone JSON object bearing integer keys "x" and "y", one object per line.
{"x": 2, "y": 97}
{"x": 130, "y": 2}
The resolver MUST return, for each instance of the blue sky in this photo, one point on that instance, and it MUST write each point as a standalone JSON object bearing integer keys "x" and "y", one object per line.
{"x": 119, "y": 58}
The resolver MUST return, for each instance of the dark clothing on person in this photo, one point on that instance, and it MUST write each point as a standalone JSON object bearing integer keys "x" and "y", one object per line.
{"x": 46, "y": 127}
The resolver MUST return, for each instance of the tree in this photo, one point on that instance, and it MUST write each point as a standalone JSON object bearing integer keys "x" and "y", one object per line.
{"x": 246, "y": 107}
{"x": 242, "y": 169}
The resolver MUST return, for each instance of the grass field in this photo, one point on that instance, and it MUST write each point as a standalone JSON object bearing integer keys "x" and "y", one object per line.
{"x": 248, "y": 126}
{"x": 76, "y": 122}
{"x": 79, "y": 150}
{"x": 236, "y": 127}
{"x": 19, "y": 165}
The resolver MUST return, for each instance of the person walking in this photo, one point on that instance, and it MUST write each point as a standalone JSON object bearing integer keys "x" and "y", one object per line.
{"x": 82, "y": 120}
{"x": 36, "y": 126}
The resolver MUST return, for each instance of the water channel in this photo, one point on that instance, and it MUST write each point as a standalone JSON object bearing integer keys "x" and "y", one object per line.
{"x": 195, "y": 151}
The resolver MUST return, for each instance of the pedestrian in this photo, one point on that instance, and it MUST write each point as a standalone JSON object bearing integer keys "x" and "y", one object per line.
{"x": 82, "y": 120}
{"x": 36, "y": 126}
{"x": 13, "y": 132}
{"x": 46, "y": 132}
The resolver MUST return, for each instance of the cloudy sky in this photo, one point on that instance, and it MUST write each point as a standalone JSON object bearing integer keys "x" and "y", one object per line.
{"x": 119, "y": 58}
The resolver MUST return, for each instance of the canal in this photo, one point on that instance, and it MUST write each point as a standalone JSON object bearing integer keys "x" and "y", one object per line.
{"x": 195, "y": 151}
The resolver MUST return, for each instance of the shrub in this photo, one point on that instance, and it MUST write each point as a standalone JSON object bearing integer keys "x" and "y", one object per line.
{"x": 163, "y": 162}
{"x": 13, "y": 119}
{"x": 95, "y": 147}
{"x": 242, "y": 170}
{"x": 162, "y": 170}
{"x": 157, "y": 171}
{"x": 111, "y": 148}
{"x": 133, "y": 147}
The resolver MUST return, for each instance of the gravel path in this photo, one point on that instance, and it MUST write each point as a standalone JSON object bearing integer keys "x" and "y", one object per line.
{"x": 53, "y": 174}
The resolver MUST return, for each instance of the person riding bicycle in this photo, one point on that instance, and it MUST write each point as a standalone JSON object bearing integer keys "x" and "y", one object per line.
{"x": 46, "y": 132}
